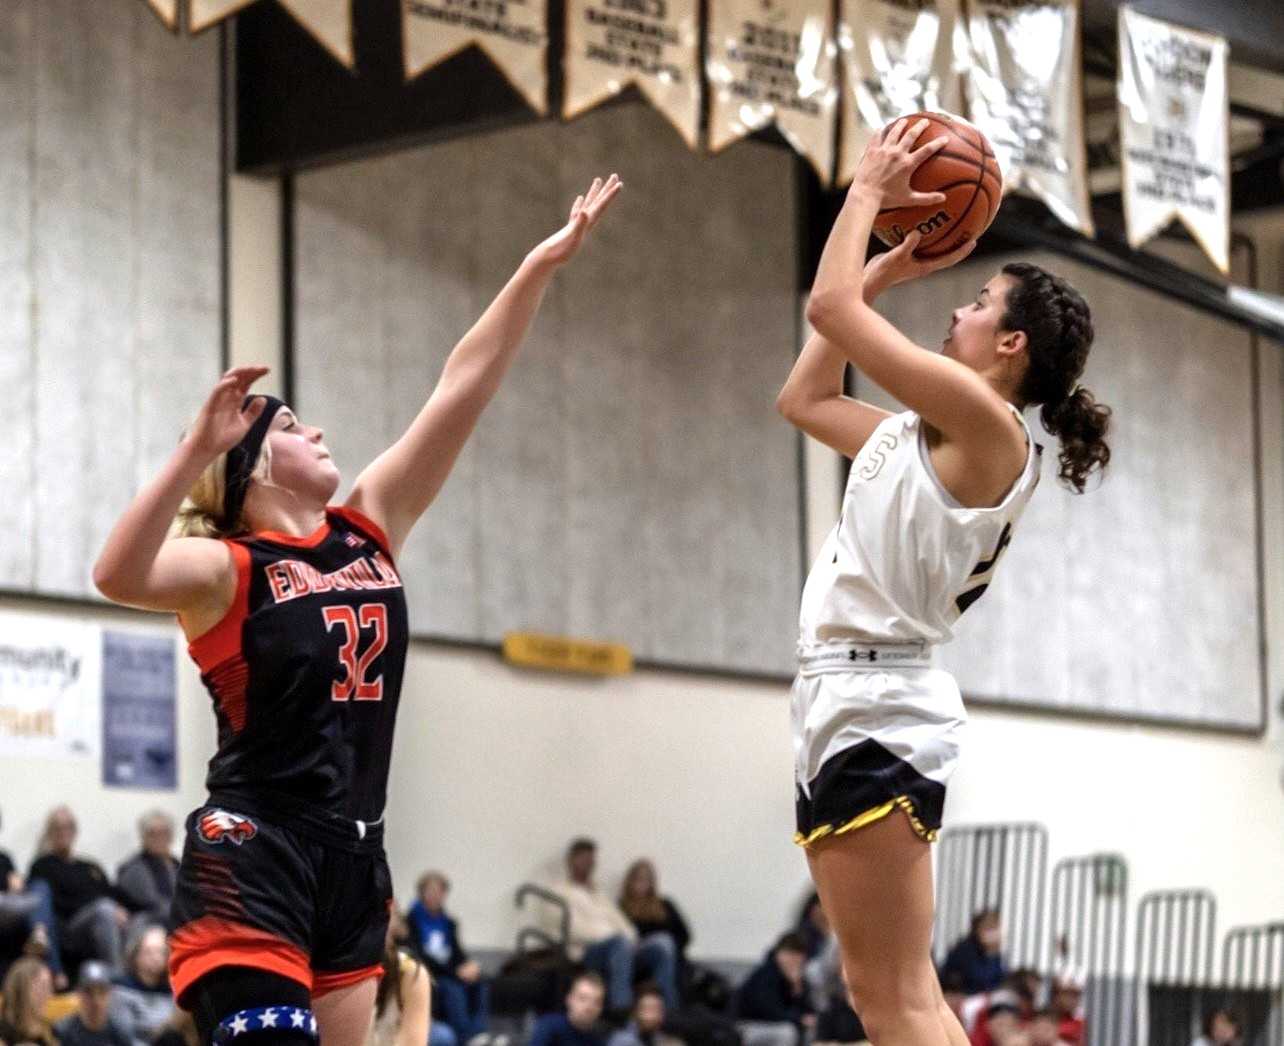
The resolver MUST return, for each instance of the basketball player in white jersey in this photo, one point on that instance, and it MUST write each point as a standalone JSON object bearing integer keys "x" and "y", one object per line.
{"x": 931, "y": 504}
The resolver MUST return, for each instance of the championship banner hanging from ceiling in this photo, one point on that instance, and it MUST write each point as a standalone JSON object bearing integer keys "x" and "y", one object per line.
{"x": 328, "y": 21}
{"x": 1024, "y": 90}
{"x": 898, "y": 58}
{"x": 654, "y": 44}
{"x": 514, "y": 35}
{"x": 1174, "y": 127}
{"x": 772, "y": 61}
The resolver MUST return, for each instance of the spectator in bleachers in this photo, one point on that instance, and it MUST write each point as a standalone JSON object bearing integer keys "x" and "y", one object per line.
{"x": 813, "y": 925}
{"x": 403, "y": 1001}
{"x": 653, "y": 915}
{"x": 977, "y": 957}
{"x": 578, "y": 1026}
{"x": 142, "y": 1003}
{"x": 27, "y": 989}
{"x": 27, "y": 924}
{"x": 1067, "y": 1001}
{"x": 603, "y": 938}
{"x": 90, "y": 921}
{"x": 146, "y": 881}
{"x": 647, "y": 1025}
{"x": 1043, "y": 1029}
{"x": 772, "y": 1006}
{"x": 462, "y": 994}
{"x": 1000, "y": 1022}
{"x": 836, "y": 1021}
{"x": 1221, "y": 1028}
{"x": 92, "y": 1023}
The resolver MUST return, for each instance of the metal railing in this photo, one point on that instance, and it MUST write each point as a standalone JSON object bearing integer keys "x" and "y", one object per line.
{"x": 1253, "y": 982}
{"x": 1175, "y": 977}
{"x": 1089, "y": 925}
{"x": 1003, "y": 867}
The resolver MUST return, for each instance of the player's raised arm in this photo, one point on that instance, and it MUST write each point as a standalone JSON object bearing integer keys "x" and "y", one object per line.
{"x": 947, "y": 394}
{"x": 138, "y": 565}
{"x": 396, "y": 488}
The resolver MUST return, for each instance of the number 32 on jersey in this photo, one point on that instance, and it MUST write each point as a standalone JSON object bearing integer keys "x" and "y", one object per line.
{"x": 354, "y": 623}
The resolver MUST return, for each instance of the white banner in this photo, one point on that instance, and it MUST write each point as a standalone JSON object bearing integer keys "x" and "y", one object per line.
{"x": 898, "y": 57}
{"x": 50, "y": 687}
{"x": 654, "y": 44}
{"x": 514, "y": 34}
{"x": 1024, "y": 84}
{"x": 1174, "y": 127}
{"x": 166, "y": 11}
{"x": 201, "y": 14}
{"x": 329, "y": 22}
{"x": 773, "y": 61}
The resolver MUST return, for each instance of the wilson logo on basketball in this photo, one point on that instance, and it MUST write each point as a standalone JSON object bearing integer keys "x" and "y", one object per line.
{"x": 929, "y": 225}
{"x": 217, "y": 825}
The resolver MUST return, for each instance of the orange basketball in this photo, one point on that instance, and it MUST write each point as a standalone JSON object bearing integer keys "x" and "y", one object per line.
{"x": 966, "y": 170}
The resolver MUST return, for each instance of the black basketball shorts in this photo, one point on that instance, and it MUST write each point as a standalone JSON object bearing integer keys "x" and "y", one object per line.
{"x": 264, "y": 894}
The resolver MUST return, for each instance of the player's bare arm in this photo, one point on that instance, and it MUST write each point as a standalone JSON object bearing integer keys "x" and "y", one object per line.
{"x": 400, "y": 484}
{"x": 140, "y": 565}
{"x": 951, "y": 397}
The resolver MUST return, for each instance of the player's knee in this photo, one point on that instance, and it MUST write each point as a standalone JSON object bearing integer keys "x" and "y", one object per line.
{"x": 883, "y": 997}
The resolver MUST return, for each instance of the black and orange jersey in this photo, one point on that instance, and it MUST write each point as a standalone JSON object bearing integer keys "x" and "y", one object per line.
{"x": 305, "y": 671}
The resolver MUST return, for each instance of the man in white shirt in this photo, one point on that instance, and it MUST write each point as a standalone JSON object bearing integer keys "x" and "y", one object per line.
{"x": 602, "y": 937}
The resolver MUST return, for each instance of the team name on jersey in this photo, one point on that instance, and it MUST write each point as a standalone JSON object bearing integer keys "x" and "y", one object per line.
{"x": 291, "y": 579}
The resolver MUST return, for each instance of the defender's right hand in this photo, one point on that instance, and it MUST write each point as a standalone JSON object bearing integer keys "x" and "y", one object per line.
{"x": 222, "y": 424}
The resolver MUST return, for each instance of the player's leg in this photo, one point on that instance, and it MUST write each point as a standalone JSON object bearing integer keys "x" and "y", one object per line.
{"x": 244, "y": 1004}
{"x": 876, "y": 887}
{"x": 344, "y": 1014}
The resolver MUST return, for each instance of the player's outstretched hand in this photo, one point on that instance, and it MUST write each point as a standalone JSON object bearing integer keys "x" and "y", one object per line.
{"x": 890, "y": 160}
{"x": 899, "y": 264}
{"x": 222, "y": 424}
{"x": 585, "y": 212}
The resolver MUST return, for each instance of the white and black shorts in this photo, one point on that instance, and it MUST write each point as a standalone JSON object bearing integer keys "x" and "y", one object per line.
{"x": 876, "y": 729}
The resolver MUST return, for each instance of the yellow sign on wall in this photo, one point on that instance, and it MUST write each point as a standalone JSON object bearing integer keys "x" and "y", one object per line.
{"x": 567, "y": 655}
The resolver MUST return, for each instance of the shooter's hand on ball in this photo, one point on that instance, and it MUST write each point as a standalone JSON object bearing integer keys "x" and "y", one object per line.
{"x": 900, "y": 265}
{"x": 585, "y": 212}
{"x": 889, "y": 162}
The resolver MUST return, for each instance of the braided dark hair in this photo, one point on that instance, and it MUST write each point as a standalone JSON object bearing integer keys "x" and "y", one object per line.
{"x": 1058, "y": 330}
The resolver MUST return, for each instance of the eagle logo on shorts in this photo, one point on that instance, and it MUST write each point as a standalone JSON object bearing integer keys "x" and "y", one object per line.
{"x": 216, "y": 825}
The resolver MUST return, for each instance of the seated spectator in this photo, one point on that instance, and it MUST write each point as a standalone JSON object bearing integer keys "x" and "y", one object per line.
{"x": 603, "y": 938}
{"x": 578, "y": 1026}
{"x": 89, "y": 919}
{"x": 976, "y": 958}
{"x": 1043, "y": 1029}
{"x": 27, "y": 989}
{"x": 1221, "y": 1028}
{"x": 1067, "y": 1001}
{"x": 26, "y": 921}
{"x": 145, "y": 882}
{"x": 836, "y": 1021}
{"x": 647, "y": 1023}
{"x": 91, "y": 1024}
{"x": 1000, "y": 1022}
{"x": 772, "y": 1007}
{"x": 142, "y": 1004}
{"x": 462, "y": 995}
{"x": 403, "y": 1003}
{"x": 650, "y": 913}
{"x": 813, "y": 925}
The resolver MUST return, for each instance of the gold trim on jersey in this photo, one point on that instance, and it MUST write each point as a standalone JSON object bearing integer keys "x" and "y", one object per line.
{"x": 862, "y": 820}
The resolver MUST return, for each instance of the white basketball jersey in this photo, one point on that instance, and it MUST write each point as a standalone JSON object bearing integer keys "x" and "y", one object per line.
{"x": 905, "y": 559}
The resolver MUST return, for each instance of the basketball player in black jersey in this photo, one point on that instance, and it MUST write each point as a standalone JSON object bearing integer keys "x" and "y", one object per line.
{"x": 296, "y": 616}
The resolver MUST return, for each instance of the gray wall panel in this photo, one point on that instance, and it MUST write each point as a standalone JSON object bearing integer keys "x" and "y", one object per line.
{"x": 110, "y": 192}
{"x": 1139, "y": 598}
{"x": 631, "y": 481}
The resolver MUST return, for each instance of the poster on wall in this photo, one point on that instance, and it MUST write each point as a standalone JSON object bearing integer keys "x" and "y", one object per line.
{"x": 513, "y": 34}
{"x": 139, "y": 688}
{"x": 49, "y": 687}
{"x": 1174, "y": 127}
{"x": 1024, "y": 87}
{"x": 655, "y": 45}
{"x": 773, "y": 62}
{"x": 898, "y": 57}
